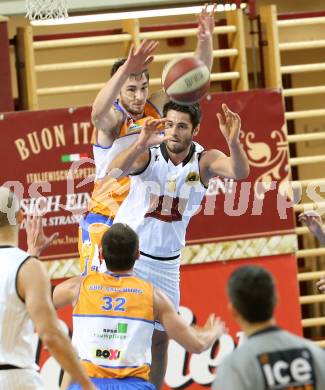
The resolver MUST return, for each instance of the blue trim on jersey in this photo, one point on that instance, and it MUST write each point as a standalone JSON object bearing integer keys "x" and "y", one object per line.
{"x": 97, "y": 145}
{"x": 91, "y": 218}
{"x": 116, "y": 367}
{"x": 121, "y": 317}
{"x": 117, "y": 275}
{"x": 122, "y": 111}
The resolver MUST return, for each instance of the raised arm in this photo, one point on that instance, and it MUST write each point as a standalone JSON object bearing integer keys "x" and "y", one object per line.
{"x": 34, "y": 288}
{"x": 215, "y": 163}
{"x": 314, "y": 223}
{"x": 193, "y": 339}
{"x": 37, "y": 241}
{"x": 204, "y": 49}
{"x": 104, "y": 117}
{"x": 136, "y": 157}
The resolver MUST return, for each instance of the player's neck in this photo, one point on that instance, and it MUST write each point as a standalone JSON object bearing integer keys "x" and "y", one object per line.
{"x": 251, "y": 328}
{"x": 178, "y": 158}
{"x": 9, "y": 236}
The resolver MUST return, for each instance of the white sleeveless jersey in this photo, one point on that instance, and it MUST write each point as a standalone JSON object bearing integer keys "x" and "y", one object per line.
{"x": 16, "y": 328}
{"x": 162, "y": 200}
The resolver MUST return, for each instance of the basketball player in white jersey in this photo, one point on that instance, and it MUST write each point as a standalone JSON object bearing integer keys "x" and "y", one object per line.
{"x": 118, "y": 110}
{"x": 168, "y": 183}
{"x": 25, "y": 304}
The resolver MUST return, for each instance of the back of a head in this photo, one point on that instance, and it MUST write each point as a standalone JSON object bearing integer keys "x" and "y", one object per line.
{"x": 251, "y": 290}
{"x": 9, "y": 205}
{"x": 120, "y": 245}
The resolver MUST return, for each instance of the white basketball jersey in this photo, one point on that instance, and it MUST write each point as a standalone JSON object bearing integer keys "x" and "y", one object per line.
{"x": 162, "y": 200}
{"x": 16, "y": 328}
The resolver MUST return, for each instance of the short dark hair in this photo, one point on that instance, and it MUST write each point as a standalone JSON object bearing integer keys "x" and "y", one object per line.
{"x": 117, "y": 64}
{"x": 120, "y": 245}
{"x": 251, "y": 290}
{"x": 193, "y": 110}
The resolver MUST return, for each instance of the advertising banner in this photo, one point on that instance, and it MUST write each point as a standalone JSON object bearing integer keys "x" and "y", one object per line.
{"x": 48, "y": 162}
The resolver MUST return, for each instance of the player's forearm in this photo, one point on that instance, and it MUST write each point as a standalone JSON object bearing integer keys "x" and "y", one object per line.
{"x": 204, "y": 52}
{"x": 107, "y": 95}
{"x": 124, "y": 162}
{"x": 201, "y": 340}
{"x": 239, "y": 161}
{"x": 61, "y": 349}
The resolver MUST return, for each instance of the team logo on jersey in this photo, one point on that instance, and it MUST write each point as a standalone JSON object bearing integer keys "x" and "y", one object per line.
{"x": 171, "y": 185}
{"x": 288, "y": 369}
{"x": 119, "y": 332}
{"x": 134, "y": 128}
{"x": 109, "y": 354}
{"x": 192, "y": 178}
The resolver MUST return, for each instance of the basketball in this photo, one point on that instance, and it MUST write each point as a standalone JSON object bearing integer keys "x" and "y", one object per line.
{"x": 186, "y": 80}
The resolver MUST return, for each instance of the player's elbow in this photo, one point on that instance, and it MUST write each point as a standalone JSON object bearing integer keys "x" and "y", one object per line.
{"x": 96, "y": 119}
{"x": 242, "y": 173}
{"x": 105, "y": 121}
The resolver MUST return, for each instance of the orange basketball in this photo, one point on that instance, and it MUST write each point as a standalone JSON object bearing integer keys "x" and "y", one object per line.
{"x": 186, "y": 80}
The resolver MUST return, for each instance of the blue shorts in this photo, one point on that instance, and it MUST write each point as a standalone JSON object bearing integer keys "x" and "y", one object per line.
{"x": 117, "y": 384}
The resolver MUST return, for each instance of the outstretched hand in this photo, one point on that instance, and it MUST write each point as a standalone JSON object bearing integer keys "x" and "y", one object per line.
{"x": 312, "y": 220}
{"x": 321, "y": 284}
{"x": 206, "y": 22}
{"x": 229, "y": 124}
{"x": 138, "y": 59}
{"x": 152, "y": 133}
{"x": 215, "y": 325}
{"x": 37, "y": 241}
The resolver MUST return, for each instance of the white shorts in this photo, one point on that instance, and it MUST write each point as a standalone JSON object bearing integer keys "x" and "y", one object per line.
{"x": 20, "y": 379}
{"x": 163, "y": 274}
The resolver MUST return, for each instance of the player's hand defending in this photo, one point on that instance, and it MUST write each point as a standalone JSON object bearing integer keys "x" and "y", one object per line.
{"x": 151, "y": 133}
{"x": 138, "y": 59}
{"x": 321, "y": 284}
{"x": 214, "y": 325}
{"x": 229, "y": 124}
{"x": 312, "y": 220}
{"x": 37, "y": 241}
{"x": 206, "y": 22}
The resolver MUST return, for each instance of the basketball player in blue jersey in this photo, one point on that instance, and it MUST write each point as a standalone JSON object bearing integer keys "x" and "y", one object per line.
{"x": 168, "y": 183}
{"x": 113, "y": 318}
{"x": 119, "y": 109}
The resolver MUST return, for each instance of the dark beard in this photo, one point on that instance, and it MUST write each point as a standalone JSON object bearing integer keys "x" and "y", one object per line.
{"x": 131, "y": 111}
{"x": 177, "y": 150}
